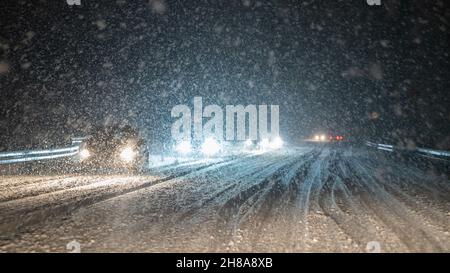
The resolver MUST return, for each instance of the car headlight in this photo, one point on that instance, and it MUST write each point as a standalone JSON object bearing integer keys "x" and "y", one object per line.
{"x": 128, "y": 154}
{"x": 84, "y": 153}
{"x": 264, "y": 143}
{"x": 248, "y": 143}
{"x": 210, "y": 146}
{"x": 277, "y": 143}
{"x": 184, "y": 147}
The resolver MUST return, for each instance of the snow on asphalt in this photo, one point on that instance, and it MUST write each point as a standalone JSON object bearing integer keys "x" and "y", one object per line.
{"x": 305, "y": 199}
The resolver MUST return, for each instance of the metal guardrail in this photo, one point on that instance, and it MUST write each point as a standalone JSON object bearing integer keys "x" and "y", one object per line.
{"x": 38, "y": 152}
{"x": 37, "y": 158}
{"x": 421, "y": 151}
{"x": 38, "y": 155}
{"x": 434, "y": 152}
{"x": 384, "y": 147}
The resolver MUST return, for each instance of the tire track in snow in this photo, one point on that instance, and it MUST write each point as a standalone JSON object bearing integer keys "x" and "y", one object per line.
{"x": 405, "y": 223}
{"x": 342, "y": 205}
{"x": 205, "y": 192}
{"x": 32, "y": 208}
{"x": 250, "y": 209}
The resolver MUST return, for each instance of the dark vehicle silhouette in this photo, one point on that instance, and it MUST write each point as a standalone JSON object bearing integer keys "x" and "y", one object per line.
{"x": 114, "y": 147}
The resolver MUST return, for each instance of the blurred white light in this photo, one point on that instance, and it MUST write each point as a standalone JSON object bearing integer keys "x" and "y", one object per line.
{"x": 84, "y": 153}
{"x": 264, "y": 144}
{"x": 210, "y": 146}
{"x": 248, "y": 142}
{"x": 323, "y": 137}
{"x": 127, "y": 154}
{"x": 317, "y": 137}
{"x": 184, "y": 147}
{"x": 277, "y": 143}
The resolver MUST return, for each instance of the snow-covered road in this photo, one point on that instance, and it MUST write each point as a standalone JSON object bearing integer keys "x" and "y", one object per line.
{"x": 305, "y": 199}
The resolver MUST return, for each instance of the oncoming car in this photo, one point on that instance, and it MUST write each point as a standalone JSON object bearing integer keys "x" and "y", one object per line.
{"x": 114, "y": 147}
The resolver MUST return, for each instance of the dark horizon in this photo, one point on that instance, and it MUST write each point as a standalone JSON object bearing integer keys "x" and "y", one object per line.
{"x": 377, "y": 73}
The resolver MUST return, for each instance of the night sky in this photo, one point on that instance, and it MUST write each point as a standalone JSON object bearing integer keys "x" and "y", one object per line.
{"x": 373, "y": 73}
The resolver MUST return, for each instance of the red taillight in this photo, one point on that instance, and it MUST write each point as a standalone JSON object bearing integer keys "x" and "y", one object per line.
{"x": 336, "y": 138}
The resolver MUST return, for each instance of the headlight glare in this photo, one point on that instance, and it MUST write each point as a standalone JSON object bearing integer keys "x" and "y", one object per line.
{"x": 84, "y": 153}
{"x": 128, "y": 154}
{"x": 210, "y": 146}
